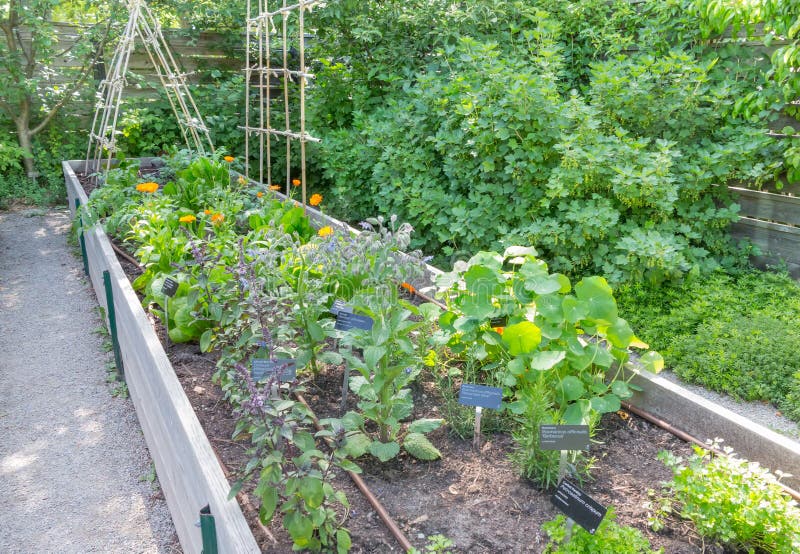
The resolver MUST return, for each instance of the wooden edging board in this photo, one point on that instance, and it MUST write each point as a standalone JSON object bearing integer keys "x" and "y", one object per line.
{"x": 187, "y": 467}
{"x": 706, "y": 420}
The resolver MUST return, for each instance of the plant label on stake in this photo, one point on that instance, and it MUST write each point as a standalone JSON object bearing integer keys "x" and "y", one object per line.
{"x": 578, "y": 506}
{"x": 340, "y": 306}
{"x": 564, "y": 437}
{"x": 481, "y": 397}
{"x": 346, "y": 321}
{"x": 168, "y": 289}
{"x": 285, "y": 369}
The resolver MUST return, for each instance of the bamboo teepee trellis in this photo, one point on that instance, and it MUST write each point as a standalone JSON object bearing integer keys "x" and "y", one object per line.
{"x": 144, "y": 24}
{"x": 260, "y": 29}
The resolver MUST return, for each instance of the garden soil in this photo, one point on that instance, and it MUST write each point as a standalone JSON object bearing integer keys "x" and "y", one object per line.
{"x": 75, "y": 474}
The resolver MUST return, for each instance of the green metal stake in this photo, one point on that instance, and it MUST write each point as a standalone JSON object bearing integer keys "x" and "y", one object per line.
{"x": 208, "y": 530}
{"x": 80, "y": 236}
{"x": 112, "y": 322}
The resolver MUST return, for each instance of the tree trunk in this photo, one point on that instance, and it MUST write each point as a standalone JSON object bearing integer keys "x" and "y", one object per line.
{"x": 22, "y": 122}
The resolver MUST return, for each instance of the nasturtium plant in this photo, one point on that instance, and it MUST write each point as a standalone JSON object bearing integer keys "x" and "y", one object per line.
{"x": 533, "y": 330}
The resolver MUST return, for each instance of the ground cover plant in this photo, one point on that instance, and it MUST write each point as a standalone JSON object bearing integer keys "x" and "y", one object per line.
{"x": 732, "y": 333}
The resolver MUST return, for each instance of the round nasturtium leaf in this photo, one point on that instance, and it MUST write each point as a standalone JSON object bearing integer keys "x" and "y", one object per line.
{"x": 652, "y": 361}
{"x": 599, "y": 298}
{"x": 522, "y": 338}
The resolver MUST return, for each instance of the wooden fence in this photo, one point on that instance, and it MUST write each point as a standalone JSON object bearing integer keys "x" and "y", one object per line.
{"x": 197, "y": 54}
{"x": 771, "y": 222}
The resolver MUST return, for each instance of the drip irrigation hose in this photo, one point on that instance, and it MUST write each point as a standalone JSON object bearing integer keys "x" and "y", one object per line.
{"x": 125, "y": 255}
{"x": 683, "y": 435}
{"x": 362, "y": 486}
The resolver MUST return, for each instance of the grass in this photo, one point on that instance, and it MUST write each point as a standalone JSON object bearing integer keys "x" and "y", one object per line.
{"x": 731, "y": 333}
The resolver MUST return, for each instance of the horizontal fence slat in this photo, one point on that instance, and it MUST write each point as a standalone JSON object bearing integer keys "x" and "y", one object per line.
{"x": 779, "y": 244}
{"x": 767, "y": 205}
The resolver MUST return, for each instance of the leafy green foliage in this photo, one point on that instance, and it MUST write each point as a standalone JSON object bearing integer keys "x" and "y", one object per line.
{"x": 731, "y": 501}
{"x": 730, "y": 333}
{"x": 551, "y": 351}
{"x": 610, "y": 538}
{"x": 390, "y": 363}
{"x": 602, "y": 143}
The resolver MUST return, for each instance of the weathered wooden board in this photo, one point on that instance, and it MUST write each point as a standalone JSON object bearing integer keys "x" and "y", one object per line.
{"x": 186, "y": 464}
{"x": 757, "y": 204}
{"x": 779, "y": 244}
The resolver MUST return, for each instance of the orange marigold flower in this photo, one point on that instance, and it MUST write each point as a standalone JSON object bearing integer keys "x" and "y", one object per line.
{"x": 147, "y": 187}
{"x": 207, "y": 211}
{"x": 188, "y": 219}
{"x": 409, "y": 287}
{"x": 315, "y": 200}
{"x": 498, "y": 330}
{"x": 325, "y": 231}
{"x": 217, "y": 219}
{"x": 259, "y": 194}
{"x": 296, "y": 182}
{"x": 274, "y": 187}
{"x": 229, "y": 159}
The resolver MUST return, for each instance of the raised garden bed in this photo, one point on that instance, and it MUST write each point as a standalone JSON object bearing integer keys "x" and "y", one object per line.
{"x": 192, "y": 478}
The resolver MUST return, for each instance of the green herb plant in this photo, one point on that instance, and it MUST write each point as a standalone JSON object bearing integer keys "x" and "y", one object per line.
{"x": 731, "y": 501}
{"x": 610, "y": 538}
{"x": 390, "y": 363}
{"x": 293, "y": 475}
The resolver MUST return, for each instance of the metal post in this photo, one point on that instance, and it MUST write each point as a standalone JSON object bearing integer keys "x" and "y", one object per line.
{"x": 208, "y": 530}
{"x": 80, "y": 236}
{"x": 112, "y": 323}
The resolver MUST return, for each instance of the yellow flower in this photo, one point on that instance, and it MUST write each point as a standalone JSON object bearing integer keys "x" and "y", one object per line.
{"x": 296, "y": 182}
{"x": 216, "y": 219}
{"x": 147, "y": 187}
{"x": 242, "y": 180}
{"x": 207, "y": 211}
{"x": 188, "y": 219}
{"x": 229, "y": 159}
{"x": 259, "y": 194}
{"x": 498, "y": 330}
{"x": 325, "y": 231}
{"x": 315, "y": 200}
{"x": 274, "y": 187}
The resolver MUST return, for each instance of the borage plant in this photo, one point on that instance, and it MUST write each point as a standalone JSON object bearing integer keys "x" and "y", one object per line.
{"x": 390, "y": 363}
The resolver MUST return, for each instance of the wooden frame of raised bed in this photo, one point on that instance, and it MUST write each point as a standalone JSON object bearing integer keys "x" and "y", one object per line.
{"x": 189, "y": 471}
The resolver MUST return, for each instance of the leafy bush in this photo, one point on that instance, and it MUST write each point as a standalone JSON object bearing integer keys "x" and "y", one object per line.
{"x": 732, "y": 501}
{"x": 610, "y": 538}
{"x": 601, "y": 155}
{"x": 731, "y": 333}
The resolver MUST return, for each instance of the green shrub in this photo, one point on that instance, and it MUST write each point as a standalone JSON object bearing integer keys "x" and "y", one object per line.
{"x": 731, "y": 333}
{"x": 610, "y": 538}
{"x": 521, "y": 124}
{"x": 731, "y": 501}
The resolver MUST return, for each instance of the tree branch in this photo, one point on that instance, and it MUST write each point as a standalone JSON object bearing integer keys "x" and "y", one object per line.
{"x": 75, "y": 85}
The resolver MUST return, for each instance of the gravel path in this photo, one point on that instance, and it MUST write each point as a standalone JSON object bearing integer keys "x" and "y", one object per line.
{"x": 73, "y": 461}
